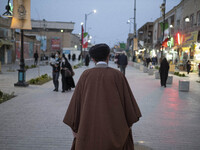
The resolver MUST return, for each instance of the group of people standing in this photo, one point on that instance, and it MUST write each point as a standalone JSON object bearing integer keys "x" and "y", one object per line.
{"x": 61, "y": 65}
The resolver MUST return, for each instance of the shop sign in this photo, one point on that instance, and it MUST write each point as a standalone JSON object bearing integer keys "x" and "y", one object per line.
{"x": 170, "y": 42}
{"x": 190, "y": 38}
{"x": 21, "y": 14}
{"x": 55, "y": 43}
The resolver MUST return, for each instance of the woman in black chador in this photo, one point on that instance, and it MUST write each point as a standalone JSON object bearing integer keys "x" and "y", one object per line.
{"x": 87, "y": 60}
{"x": 67, "y": 81}
{"x": 164, "y": 68}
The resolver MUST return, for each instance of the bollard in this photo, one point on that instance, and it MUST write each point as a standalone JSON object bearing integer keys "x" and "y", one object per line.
{"x": 184, "y": 85}
{"x": 141, "y": 67}
{"x": 151, "y": 72}
{"x": 169, "y": 80}
{"x": 157, "y": 75}
{"x": 145, "y": 69}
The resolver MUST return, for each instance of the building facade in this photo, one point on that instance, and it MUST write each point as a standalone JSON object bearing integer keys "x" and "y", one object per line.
{"x": 54, "y": 36}
{"x": 182, "y": 31}
{"x": 145, "y": 37}
{"x": 7, "y": 50}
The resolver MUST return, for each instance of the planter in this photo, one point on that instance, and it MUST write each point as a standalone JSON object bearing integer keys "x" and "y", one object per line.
{"x": 169, "y": 80}
{"x": 151, "y": 72}
{"x": 145, "y": 69}
{"x": 157, "y": 75}
{"x": 184, "y": 85}
{"x": 141, "y": 67}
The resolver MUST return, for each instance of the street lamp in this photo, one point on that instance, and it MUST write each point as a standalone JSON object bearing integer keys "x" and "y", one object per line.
{"x": 8, "y": 12}
{"x": 130, "y": 22}
{"x": 86, "y": 15}
{"x": 21, "y": 72}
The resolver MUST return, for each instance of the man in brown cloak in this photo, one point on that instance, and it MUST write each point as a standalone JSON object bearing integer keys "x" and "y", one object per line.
{"x": 103, "y": 108}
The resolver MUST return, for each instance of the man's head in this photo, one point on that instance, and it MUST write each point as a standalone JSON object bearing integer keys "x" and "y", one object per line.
{"x": 99, "y": 52}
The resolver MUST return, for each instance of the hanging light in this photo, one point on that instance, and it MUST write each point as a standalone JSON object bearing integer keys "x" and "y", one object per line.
{"x": 8, "y": 12}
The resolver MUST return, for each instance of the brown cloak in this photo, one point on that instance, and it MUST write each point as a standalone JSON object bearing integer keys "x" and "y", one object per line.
{"x": 102, "y": 110}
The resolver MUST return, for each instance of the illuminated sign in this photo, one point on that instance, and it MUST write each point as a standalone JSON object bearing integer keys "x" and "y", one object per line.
{"x": 170, "y": 42}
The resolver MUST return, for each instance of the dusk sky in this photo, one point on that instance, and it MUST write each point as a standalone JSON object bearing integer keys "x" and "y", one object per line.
{"x": 108, "y": 25}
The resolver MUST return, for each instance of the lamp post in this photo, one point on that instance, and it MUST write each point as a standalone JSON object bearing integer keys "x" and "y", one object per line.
{"x": 81, "y": 42}
{"x": 129, "y": 22}
{"x": 86, "y": 15}
{"x": 22, "y": 72}
{"x": 135, "y": 41}
{"x": 8, "y": 12}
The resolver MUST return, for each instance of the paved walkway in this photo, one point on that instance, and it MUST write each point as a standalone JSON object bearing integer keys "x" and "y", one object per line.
{"x": 33, "y": 119}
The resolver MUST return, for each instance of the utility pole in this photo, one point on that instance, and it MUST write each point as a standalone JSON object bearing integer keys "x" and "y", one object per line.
{"x": 163, "y": 13}
{"x": 135, "y": 41}
{"x": 134, "y": 18}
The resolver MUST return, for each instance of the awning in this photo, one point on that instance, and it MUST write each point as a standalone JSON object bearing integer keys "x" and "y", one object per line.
{"x": 5, "y": 42}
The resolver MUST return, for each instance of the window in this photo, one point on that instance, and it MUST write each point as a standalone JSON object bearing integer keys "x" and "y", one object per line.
{"x": 198, "y": 18}
{"x": 192, "y": 20}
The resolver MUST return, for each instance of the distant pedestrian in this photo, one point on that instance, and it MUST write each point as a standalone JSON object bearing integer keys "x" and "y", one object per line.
{"x": 188, "y": 66}
{"x": 56, "y": 70}
{"x": 123, "y": 62}
{"x": 199, "y": 69}
{"x": 79, "y": 57}
{"x": 69, "y": 56}
{"x": 164, "y": 69}
{"x": 73, "y": 57}
{"x": 102, "y": 109}
{"x": 116, "y": 58}
{"x": 87, "y": 60}
{"x": 67, "y": 73}
{"x": 148, "y": 60}
{"x": 35, "y": 58}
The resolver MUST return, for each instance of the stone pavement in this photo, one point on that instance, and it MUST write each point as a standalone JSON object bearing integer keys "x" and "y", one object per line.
{"x": 33, "y": 119}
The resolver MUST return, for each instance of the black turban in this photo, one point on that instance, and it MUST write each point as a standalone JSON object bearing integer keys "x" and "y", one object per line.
{"x": 99, "y": 52}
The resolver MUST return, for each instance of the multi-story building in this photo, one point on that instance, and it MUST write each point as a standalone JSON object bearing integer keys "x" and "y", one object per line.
{"x": 145, "y": 36}
{"x": 183, "y": 31}
{"x": 188, "y": 28}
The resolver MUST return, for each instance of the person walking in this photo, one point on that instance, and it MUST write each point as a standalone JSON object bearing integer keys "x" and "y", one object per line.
{"x": 73, "y": 57}
{"x": 35, "y": 58}
{"x": 164, "y": 69}
{"x": 102, "y": 109}
{"x": 69, "y": 56}
{"x": 87, "y": 60}
{"x": 188, "y": 66}
{"x": 123, "y": 62}
{"x": 67, "y": 73}
{"x": 56, "y": 70}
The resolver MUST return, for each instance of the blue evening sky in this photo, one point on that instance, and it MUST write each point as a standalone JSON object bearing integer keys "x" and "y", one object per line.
{"x": 108, "y": 25}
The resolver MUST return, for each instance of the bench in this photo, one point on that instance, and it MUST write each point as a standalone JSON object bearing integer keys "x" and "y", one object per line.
{"x": 184, "y": 85}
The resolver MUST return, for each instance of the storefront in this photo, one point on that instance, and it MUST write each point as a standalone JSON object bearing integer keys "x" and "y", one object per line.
{"x": 6, "y": 51}
{"x": 186, "y": 48}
